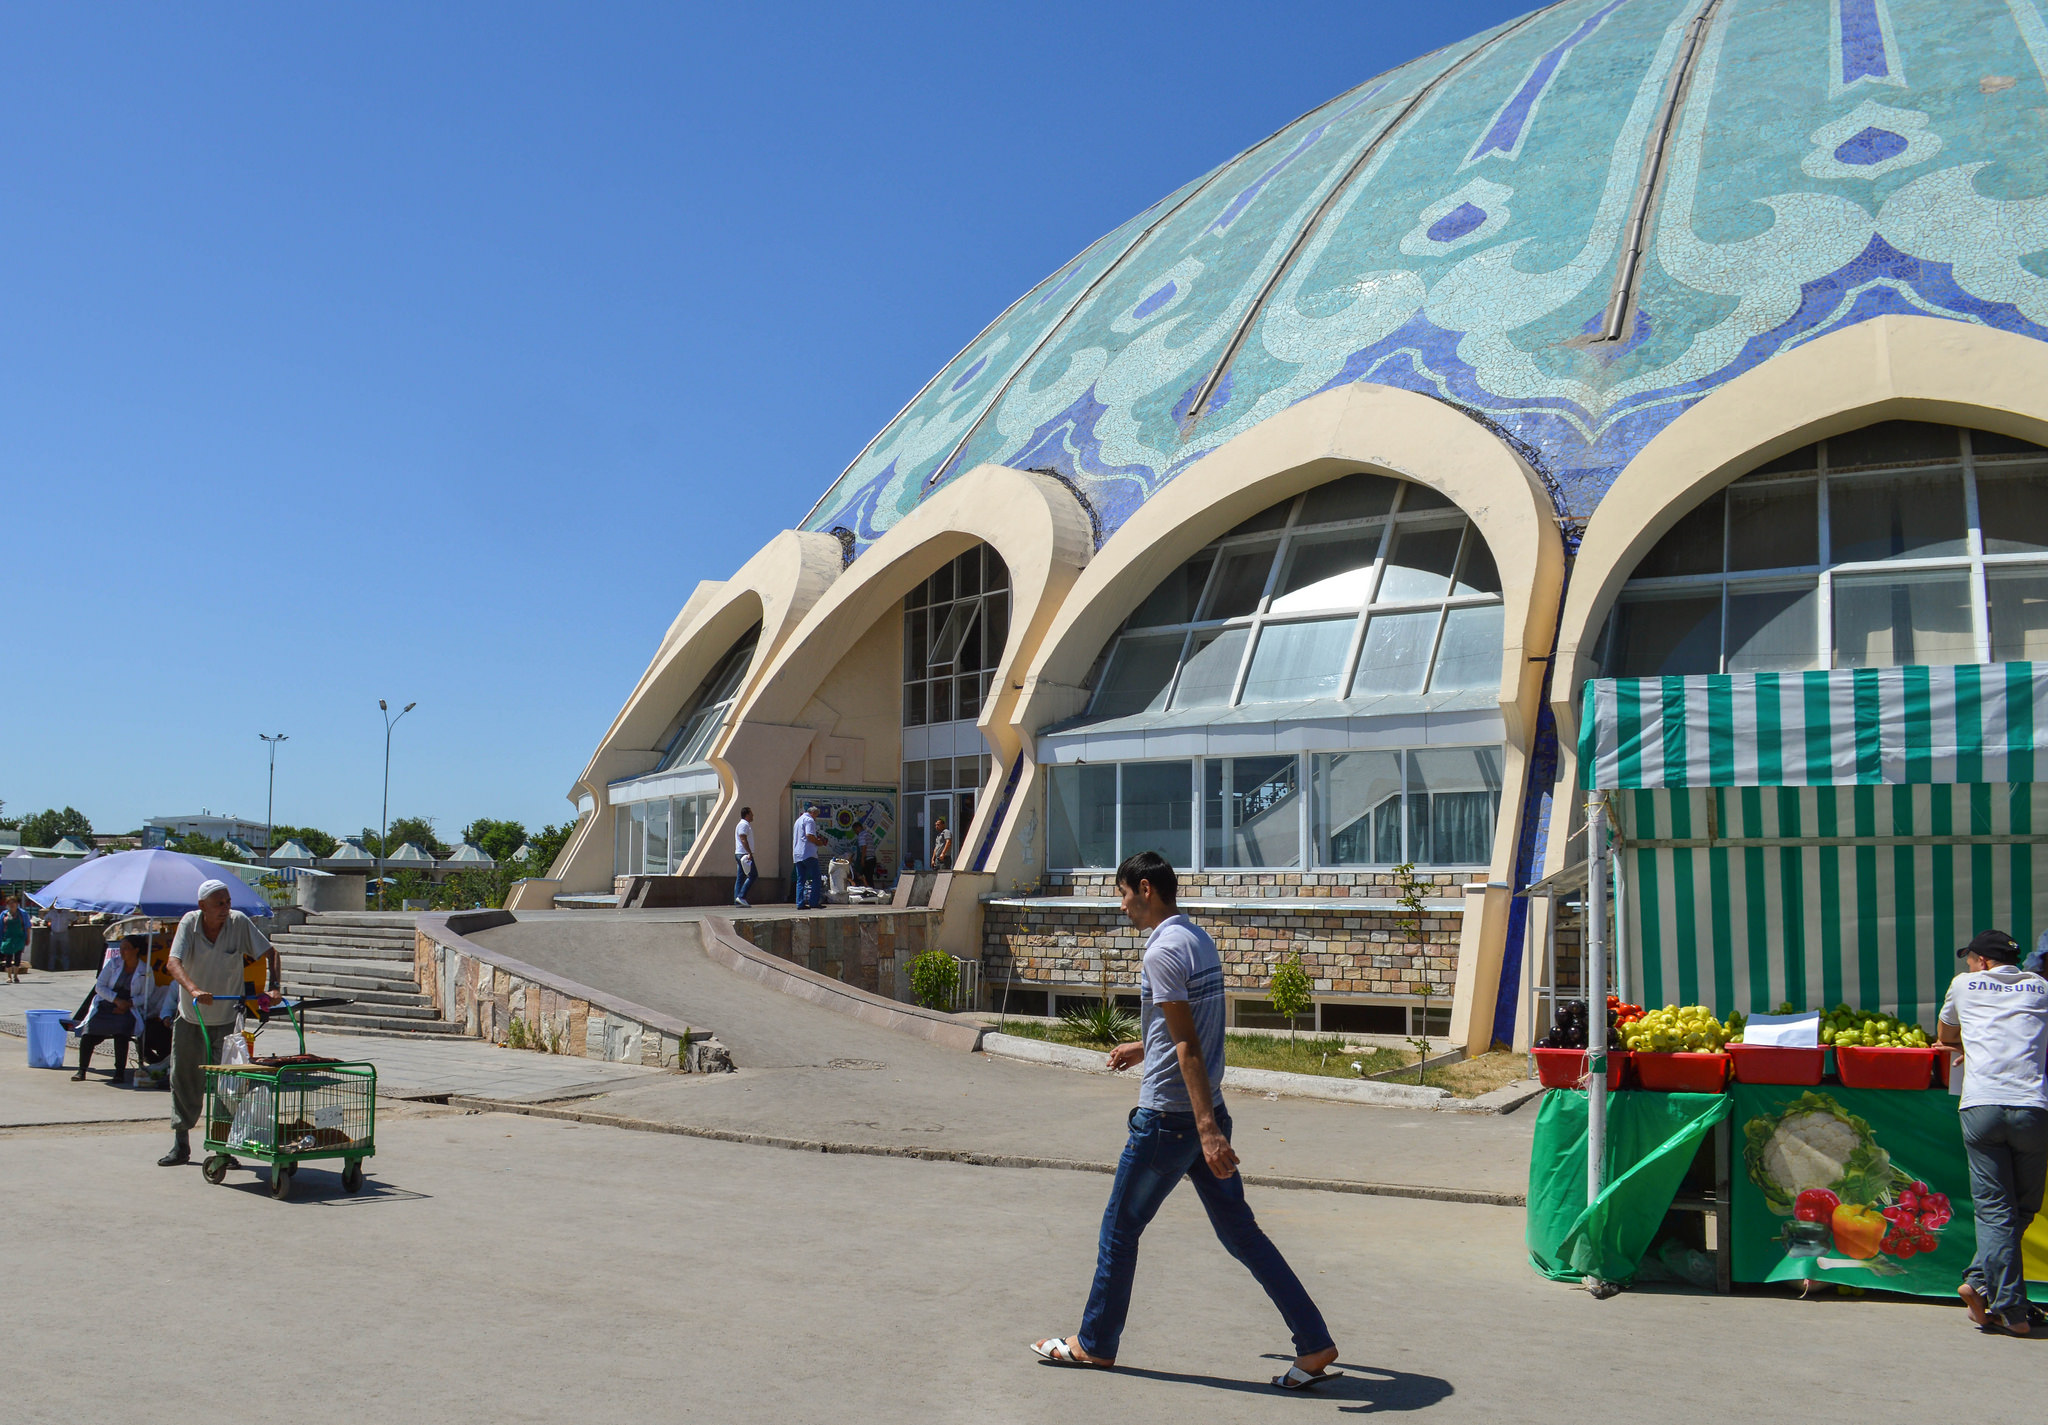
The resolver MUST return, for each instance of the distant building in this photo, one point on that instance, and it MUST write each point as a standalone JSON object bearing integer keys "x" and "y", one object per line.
{"x": 161, "y": 829}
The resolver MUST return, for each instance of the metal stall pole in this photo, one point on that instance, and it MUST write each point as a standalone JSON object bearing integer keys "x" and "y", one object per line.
{"x": 1596, "y": 1000}
{"x": 1624, "y": 983}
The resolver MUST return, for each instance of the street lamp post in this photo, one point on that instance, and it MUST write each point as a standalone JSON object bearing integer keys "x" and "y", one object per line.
{"x": 384, "y": 827}
{"x": 270, "y": 801}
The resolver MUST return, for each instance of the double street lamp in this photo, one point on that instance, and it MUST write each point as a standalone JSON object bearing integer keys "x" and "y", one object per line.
{"x": 270, "y": 801}
{"x": 384, "y": 828}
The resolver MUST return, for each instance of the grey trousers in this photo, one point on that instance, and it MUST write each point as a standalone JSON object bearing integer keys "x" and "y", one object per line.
{"x": 190, "y": 1054}
{"x": 2008, "y": 1149}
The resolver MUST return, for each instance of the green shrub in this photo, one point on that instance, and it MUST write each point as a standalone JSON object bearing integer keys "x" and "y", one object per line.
{"x": 1104, "y": 1022}
{"x": 1291, "y": 992}
{"x": 934, "y": 976}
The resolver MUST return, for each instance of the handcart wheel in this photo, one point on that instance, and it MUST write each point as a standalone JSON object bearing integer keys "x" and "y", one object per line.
{"x": 291, "y": 1170}
{"x": 215, "y": 1169}
{"x": 280, "y": 1182}
{"x": 352, "y": 1175}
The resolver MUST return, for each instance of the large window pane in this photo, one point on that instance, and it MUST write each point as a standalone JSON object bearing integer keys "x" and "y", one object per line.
{"x": 1358, "y": 808}
{"x": 1251, "y": 812}
{"x": 1178, "y": 594}
{"x": 1240, "y": 582}
{"x": 1299, "y": 660}
{"x": 2012, "y": 506}
{"x": 1652, "y": 636}
{"x": 1453, "y": 795}
{"x": 1159, "y": 810}
{"x": 1882, "y": 623}
{"x": 1692, "y": 546}
{"x": 622, "y": 841}
{"x": 941, "y": 699}
{"x": 1894, "y": 443}
{"x": 1775, "y": 631}
{"x": 1419, "y": 565}
{"x": 1355, "y": 497}
{"x": 656, "y": 844}
{"x": 1478, "y": 574}
{"x": 1330, "y": 571}
{"x": 1912, "y": 514}
{"x": 1211, "y": 671}
{"x": 1774, "y": 525}
{"x": 1138, "y": 674}
{"x": 2019, "y": 615}
{"x": 1468, "y": 656}
{"x": 1081, "y": 817}
{"x": 1396, "y": 654}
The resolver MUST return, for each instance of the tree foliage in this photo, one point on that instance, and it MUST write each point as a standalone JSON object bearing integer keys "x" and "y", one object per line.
{"x": 47, "y": 828}
{"x": 496, "y": 839}
{"x": 547, "y": 844}
{"x": 419, "y": 830}
{"x": 934, "y": 976}
{"x": 311, "y": 837}
{"x": 1290, "y": 991}
{"x": 193, "y": 844}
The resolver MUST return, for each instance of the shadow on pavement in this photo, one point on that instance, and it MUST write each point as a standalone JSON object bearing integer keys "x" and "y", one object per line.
{"x": 318, "y": 1188}
{"x": 1369, "y": 1388}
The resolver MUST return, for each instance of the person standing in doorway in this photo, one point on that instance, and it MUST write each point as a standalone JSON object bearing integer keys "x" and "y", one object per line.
{"x": 1180, "y": 1128}
{"x": 212, "y": 946}
{"x": 804, "y": 844}
{"x": 942, "y": 846}
{"x": 1997, "y": 1014}
{"x": 743, "y": 853}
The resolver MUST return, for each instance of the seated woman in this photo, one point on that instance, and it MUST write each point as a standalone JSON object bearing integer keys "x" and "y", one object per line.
{"x": 123, "y": 984}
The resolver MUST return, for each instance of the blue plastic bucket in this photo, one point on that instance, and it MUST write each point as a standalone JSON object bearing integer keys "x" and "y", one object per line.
{"x": 46, "y": 1039}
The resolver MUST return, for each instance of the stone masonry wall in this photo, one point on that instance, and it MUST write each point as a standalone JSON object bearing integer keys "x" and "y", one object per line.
{"x": 1346, "y": 950}
{"x": 485, "y": 1000}
{"x": 1272, "y": 885}
{"x": 854, "y": 950}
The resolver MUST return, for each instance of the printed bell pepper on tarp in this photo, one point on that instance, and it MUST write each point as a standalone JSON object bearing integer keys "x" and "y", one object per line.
{"x": 1822, "y": 1167}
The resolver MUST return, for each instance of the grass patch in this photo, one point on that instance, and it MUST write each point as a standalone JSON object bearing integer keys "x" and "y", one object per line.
{"x": 1473, "y": 1077}
{"x": 1324, "y": 1055}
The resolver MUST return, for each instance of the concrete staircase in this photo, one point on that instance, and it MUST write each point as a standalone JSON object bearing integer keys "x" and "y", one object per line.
{"x": 366, "y": 956}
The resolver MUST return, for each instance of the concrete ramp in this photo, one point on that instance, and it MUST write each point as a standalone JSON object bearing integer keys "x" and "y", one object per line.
{"x": 658, "y": 959}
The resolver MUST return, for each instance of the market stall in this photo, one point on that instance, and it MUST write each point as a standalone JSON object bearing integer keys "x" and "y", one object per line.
{"x": 1806, "y": 841}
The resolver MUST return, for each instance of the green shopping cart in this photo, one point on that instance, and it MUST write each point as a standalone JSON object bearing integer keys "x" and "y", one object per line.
{"x": 291, "y": 1109}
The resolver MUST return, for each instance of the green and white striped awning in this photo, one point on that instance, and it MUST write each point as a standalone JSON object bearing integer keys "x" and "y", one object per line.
{"x": 1977, "y": 723}
{"x": 1821, "y": 837}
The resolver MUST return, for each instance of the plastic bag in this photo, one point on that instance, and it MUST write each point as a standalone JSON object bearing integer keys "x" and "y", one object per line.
{"x": 252, "y": 1127}
{"x": 234, "y": 1050}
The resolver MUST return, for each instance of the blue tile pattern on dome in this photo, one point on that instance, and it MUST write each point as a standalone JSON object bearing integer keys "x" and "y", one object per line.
{"x": 1456, "y": 228}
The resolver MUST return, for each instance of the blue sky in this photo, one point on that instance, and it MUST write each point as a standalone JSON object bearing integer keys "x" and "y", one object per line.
{"x": 435, "y": 352}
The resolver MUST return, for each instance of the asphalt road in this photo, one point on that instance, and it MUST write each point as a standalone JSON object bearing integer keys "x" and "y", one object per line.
{"x": 502, "y": 1268}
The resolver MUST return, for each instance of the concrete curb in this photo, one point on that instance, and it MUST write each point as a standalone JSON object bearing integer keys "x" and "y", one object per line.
{"x": 726, "y": 946}
{"x": 1271, "y": 1081}
{"x": 968, "y": 1158}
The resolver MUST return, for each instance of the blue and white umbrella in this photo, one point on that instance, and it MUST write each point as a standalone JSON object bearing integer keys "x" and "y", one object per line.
{"x": 156, "y": 882}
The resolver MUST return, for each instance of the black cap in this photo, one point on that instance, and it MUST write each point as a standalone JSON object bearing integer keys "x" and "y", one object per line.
{"x": 1993, "y": 945}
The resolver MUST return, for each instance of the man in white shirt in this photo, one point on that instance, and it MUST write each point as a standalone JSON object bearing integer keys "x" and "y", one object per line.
{"x": 743, "y": 853}
{"x": 804, "y": 842}
{"x": 1997, "y": 1014}
{"x": 208, "y": 954}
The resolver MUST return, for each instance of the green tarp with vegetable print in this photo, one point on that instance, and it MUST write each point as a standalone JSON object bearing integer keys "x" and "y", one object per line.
{"x": 1861, "y": 1187}
{"x": 1652, "y": 1139}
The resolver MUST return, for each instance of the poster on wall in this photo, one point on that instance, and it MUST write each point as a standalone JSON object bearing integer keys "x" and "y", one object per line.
{"x": 843, "y": 812}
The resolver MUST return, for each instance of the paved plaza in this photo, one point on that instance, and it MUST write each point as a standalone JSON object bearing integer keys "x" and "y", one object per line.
{"x": 505, "y": 1268}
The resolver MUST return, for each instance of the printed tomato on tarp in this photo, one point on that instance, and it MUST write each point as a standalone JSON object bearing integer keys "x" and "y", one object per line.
{"x": 1866, "y": 1187}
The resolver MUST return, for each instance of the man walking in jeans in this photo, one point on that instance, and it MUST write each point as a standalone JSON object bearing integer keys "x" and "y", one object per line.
{"x": 1180, "y": 1128}
{"x": 1998, "y": 1014}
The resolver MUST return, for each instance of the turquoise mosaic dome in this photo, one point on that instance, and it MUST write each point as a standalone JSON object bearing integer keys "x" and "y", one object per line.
{"x": 1572, "y": 227}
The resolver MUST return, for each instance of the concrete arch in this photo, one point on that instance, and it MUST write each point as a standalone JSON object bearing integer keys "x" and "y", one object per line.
{"x": 1888, "y": 368}
{"x": 774, "y": 589}
{"x": 1360, "y": 427}
{"x": 1044, "y": 536}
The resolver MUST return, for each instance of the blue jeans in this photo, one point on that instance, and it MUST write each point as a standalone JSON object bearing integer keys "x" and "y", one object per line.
{"x": 2008, "y": 1150}
{"x": 810, "y": 887}
{"x": 1163, "y": 1148}
{"x": 743, "y": 881}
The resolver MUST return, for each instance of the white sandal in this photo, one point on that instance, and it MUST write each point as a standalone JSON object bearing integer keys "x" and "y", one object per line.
{"x": 1299, "y": 1379}
{"x": 1056, "y": 1351}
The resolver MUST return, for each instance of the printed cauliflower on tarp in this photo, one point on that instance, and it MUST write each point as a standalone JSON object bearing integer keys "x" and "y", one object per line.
{"x": 1812, "y": 1144}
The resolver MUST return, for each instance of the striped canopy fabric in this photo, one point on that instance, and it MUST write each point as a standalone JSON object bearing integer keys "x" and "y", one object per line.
{"x": 1744, "y": 898}
{"x": 1977, "y": 723}
{"x": 1822, "y": 838}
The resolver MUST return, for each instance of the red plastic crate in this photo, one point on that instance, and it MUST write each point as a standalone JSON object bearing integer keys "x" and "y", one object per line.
{"x": 1682, "y": 1072}
{"x": 1566, "y": 1068}
{"x": 1774, "y": 1064}
{"x": 1874, "y": 1067}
